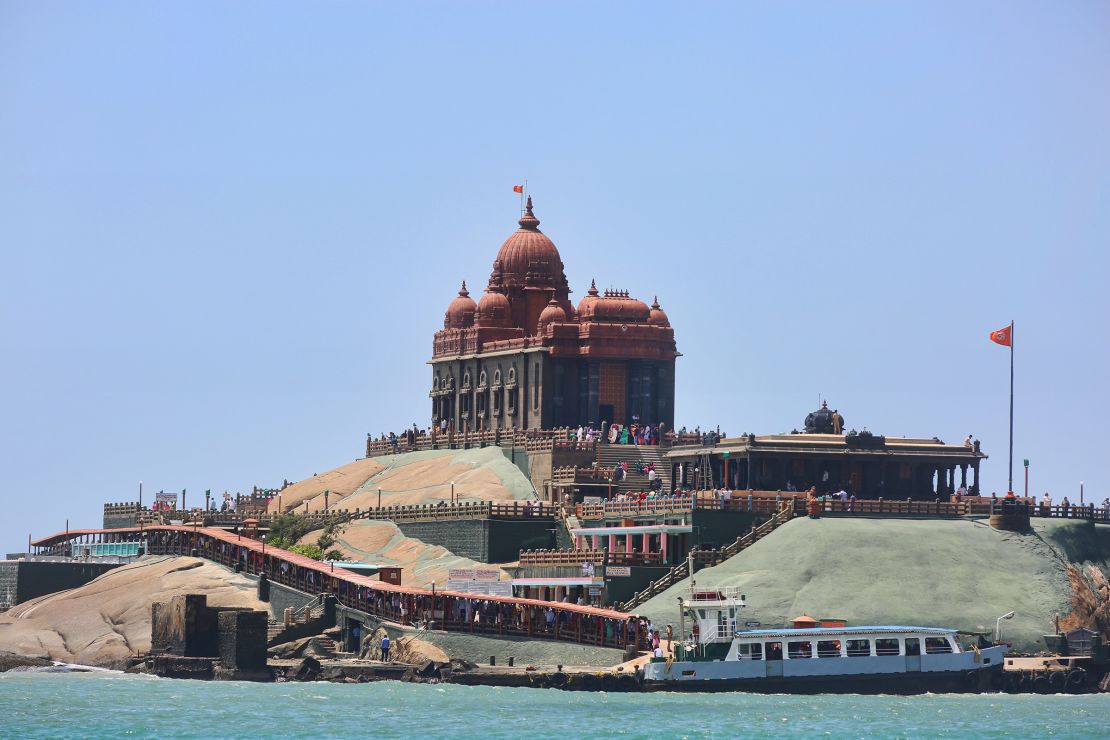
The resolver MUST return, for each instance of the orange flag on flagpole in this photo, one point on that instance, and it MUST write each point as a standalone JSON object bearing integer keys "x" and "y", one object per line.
{"x": 518, "y": 188}
{"x": 1002, "y": 336}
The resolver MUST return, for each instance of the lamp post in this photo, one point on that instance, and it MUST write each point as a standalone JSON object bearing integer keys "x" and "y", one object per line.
{"x": 326, "y": 492}
{"x": 998, "y": 625}
{"x": 262, "y": 565}
{"x": 452, "y": 492}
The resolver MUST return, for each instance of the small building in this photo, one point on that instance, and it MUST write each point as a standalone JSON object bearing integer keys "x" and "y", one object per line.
{"x": 386, "y": 573}
{"x": 824, "y": 456}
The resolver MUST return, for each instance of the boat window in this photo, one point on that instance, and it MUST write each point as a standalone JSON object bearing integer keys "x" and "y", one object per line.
{"x": 913, "y": 646}
{"x": 750, "y": 651}
{"x": 774, "y": 651}
{"x": 935, "y": 645}
{"x": 800, "y": 649}
{"x": 886, "y": 646}
{"x": 857, "y": 648}
{"x": 828, "y": 648}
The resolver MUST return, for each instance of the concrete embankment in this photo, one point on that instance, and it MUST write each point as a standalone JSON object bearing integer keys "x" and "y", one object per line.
{"x": 960, "y": 574}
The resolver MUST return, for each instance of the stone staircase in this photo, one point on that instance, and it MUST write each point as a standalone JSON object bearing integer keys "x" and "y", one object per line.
{"x": 302, "y": 623}
{"x": 636, "y": 456}
{"x": 708, "y": 558}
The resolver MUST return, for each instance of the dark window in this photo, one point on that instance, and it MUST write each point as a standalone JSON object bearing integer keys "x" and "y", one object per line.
{"x": 886, "y": 646}
{"x": 828, "y": 649}
{"x": 937, "y": 645}
{"x": 857, "y": 648}
{"x": 913, "y": 646}
{"x": 800, "y": 649}
{"x": 774, "y": 651}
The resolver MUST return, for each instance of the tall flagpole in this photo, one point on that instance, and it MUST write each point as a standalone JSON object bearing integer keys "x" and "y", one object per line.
{"x": 1011, "y": 488}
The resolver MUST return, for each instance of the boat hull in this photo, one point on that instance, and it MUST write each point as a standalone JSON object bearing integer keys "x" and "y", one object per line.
{"x": 933, "y": 682}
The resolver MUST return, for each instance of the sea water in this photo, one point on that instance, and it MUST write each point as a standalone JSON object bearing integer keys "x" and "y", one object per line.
{"x": 94, "y": 705}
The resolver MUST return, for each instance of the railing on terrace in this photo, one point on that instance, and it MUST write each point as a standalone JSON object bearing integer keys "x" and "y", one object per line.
{"x": 682, "y": 504}
{"x": 596, "y": 557}
{"x": 417, "y": 512}
{"x": 592, "y": 474}
{"x": 453, "y": 612}
{"x": 532, "y": 440}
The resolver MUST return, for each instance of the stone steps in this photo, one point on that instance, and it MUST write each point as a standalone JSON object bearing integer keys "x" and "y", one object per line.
{"x": 634, "y": 455}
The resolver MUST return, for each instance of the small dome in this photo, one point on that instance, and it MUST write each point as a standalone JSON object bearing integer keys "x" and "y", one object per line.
{"x": 493, "y": 310}
{"x": 657, "y": 317}
{"x": 460, "y": 312}
{"x": 614, "y": 306}
{"x": 552, "y": 314}
{"x": 821, "y": 421}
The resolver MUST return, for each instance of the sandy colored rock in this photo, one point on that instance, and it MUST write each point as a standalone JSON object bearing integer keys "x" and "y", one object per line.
{"x": 339, "y": 482}
{"x": 411, "y": 478}
{"x": 960, "y": 574}
{"x": 382, "y": 543}
{"x": 107, "y": 621}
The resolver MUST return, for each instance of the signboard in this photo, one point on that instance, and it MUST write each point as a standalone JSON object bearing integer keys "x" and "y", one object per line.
{"x": 588, "y": 569}
{"x": 751, "y": 624}
{"x": 481, "y": 588}
{"x": 595, "y": 590}
{"x": 618, "y": 570}
{"x": 591, "y": 499}
{"x": 165, "y": 501}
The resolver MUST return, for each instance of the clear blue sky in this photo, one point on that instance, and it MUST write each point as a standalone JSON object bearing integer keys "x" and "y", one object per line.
{"x": 229, "y": 230}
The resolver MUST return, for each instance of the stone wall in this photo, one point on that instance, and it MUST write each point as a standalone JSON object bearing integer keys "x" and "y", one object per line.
{"x": 23, "y": 580}
{"x": 716, "y": 528}
{"x": 283, "y": 597}
{"x": 484, "y": 540}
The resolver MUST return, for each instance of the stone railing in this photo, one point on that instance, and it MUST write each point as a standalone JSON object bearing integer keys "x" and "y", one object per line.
{"x": 418, "y": 512}
{"x": 532, "y": 440}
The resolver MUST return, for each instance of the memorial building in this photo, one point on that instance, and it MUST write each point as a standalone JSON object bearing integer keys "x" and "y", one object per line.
{"x": 523, "y": 356}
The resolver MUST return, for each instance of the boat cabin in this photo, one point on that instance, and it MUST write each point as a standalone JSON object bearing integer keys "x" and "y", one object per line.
{"x": 847, "y": 642}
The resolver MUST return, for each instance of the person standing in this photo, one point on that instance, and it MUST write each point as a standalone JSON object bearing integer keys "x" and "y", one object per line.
{"x": 385, "y": 648}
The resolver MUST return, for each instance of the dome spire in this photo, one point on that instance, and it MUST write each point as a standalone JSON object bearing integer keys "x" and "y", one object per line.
{"x": 593, "y": 288}
{"x": 529, "y": 220}
{"x": 463, "y": 291}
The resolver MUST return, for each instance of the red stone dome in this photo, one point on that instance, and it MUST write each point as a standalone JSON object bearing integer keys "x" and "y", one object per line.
{"x": 614, "y": 306}
{"x": 552, "y": 314}
{"x": 460, "y": 312}
{"x": 493, "y": 310}
{"x": 529, "y": 256}
{"x": 657, "y": 316}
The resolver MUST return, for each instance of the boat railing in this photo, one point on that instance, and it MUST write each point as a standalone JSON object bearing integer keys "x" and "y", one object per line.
{"x": 732, "y": 594}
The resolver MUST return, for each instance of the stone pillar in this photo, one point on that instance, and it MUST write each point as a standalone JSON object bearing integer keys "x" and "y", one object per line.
{"x": 963, "y": 475}
{"x": 628, "y": 542}
{"x": 612, "y": 543}
{"x": 663, "y": 545}
{"x": 975, "y": 478}
{"x": 645, "y": 546}
{"x": 597, "y": 542}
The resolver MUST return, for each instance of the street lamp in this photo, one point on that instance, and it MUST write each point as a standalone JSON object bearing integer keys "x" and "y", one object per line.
{"x": 452, "y": 492}
{"x": 262, "y": 565}
{"x": 998, "y": 625}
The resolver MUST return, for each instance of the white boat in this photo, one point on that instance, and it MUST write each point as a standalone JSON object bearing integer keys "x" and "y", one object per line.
{"x": 860, "y": 660}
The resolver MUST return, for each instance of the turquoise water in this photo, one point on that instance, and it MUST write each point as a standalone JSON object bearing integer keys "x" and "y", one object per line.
{"x": 117, "y": 705}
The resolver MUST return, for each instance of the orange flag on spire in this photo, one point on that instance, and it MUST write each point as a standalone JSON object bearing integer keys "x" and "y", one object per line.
{"x": 1002, "y": 336}
{"x": 518, "y": 188}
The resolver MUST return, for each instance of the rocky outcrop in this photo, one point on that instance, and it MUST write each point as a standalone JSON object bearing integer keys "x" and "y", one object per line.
{"x": 107, "y": 622}
{"x": 9, "y": 661}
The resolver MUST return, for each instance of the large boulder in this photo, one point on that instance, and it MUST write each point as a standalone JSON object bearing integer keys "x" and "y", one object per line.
{"x": 107, "y": 621}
